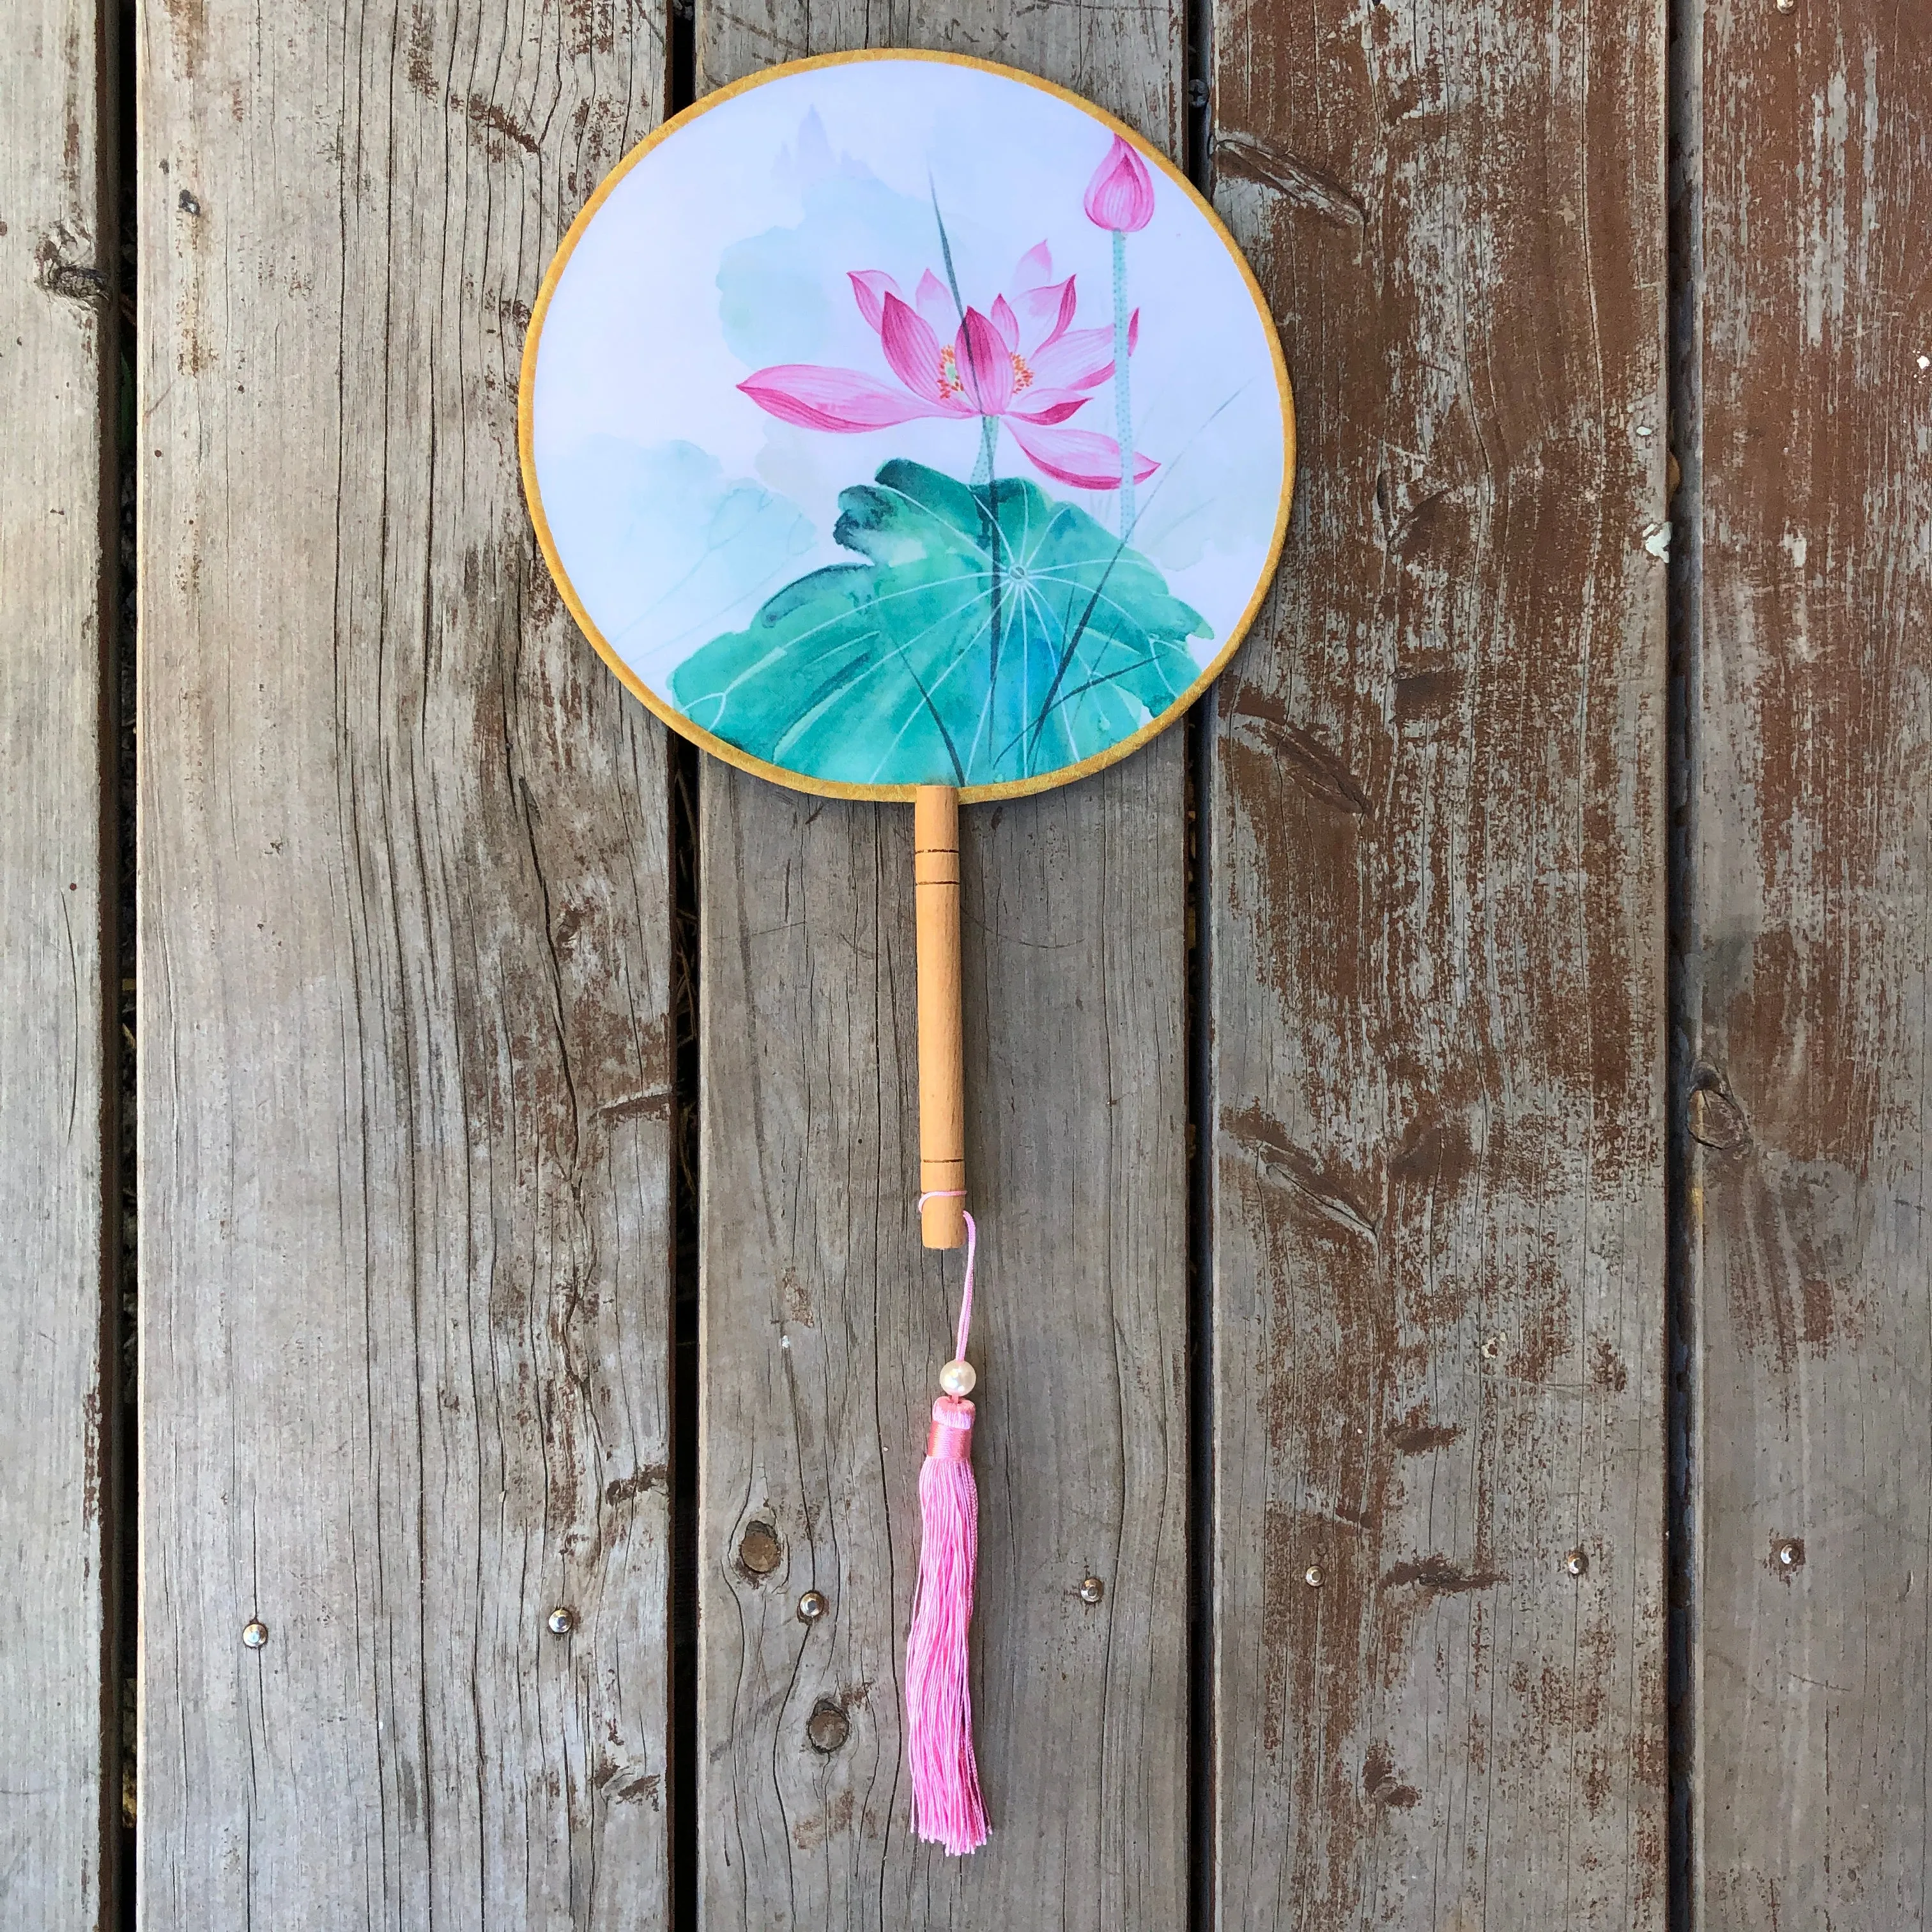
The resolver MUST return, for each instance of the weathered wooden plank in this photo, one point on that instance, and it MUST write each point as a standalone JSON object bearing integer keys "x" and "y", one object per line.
{"x": 404, "y": 977}
{"x": 1435, "y": 808}
{"x": 824, "y": 1322}
{"x": 1811, "y": 702}
{"x": 58, "y": 377}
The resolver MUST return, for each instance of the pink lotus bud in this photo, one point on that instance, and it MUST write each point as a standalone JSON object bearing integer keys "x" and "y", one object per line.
{"x": 1120, "y": 195}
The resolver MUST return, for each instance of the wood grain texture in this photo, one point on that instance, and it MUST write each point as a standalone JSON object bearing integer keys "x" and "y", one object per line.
{"x": 1811, "y": 702}
{"x": 57, "y": 375}
{"x": 825, "y": 1323}
{"x": 406, "y": 1092}
{"x": 1436, "y": 809}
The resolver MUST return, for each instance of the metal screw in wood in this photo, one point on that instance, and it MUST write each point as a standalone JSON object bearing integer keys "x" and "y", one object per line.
{"x": 561, "y": 1622}
{"x": 1312, "y": 1575}
{"x": 1577, "y": 1562}
{"x": 1092, "y": 1589}
{"x": 254, "y": 1634}
{"x": 811, "y": 1606}
{"x": 1790, "y": 1553}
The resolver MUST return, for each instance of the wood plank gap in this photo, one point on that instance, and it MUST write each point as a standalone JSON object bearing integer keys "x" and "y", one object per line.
{"x": 681, "y": 41}
{"x": 686, "y": 766}
{"x": 1683, "y": 120}
{"x": 122, "y": 1232}
{"x": 685, "y": 761}
{"x": 1197, "y": 777}
{"x": 1201, "y": 1525}
{"x": 1197, "y": 155}
{"x": 114, "y": 172}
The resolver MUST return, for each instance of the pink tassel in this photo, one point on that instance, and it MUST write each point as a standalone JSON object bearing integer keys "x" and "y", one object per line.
{"x": 947, "y": 1807}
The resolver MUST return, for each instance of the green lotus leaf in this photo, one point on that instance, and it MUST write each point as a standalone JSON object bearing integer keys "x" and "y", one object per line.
{"x": 991, "y": 633}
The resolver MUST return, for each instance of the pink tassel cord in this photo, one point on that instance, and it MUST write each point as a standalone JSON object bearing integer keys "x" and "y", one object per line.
{"x": 947, "y": 1807}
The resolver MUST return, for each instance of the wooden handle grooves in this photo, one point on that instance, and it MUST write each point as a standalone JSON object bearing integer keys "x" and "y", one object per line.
{"x": 942, "y": 1054}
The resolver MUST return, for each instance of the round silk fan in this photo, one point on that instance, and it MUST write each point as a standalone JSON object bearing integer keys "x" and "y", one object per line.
{"x": 898, "y": 426}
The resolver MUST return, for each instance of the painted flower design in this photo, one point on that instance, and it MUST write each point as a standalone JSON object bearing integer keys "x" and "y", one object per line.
{"x": 1120, "y": 195}
{"x": 1120, "y": 199}
{"x": 1022, "y": 364}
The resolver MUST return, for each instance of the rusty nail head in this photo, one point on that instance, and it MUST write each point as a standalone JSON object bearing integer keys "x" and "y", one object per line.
{"x": 562, "y": 1621}
{"x": 1092, "y": 1589}
{"x": 758, "y": 1550}
{"x": 254, "y": 1634}
{"x": 810, "y": 1607}
{"x": 1577, "y": 1562}
{"x": 1790, "y": 1552}
{"x": 1787, "y": 6}
{"x": 828, "y": 1727}
{"x": 1312, "y": 1575}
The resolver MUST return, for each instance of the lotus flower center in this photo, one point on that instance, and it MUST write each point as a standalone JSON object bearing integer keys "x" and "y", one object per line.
{"x": 1022, "y": 375}
{"x": 949, "y": 384}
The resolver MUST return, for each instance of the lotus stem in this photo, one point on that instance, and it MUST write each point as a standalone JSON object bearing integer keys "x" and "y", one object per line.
{"x": 989, "y": 437}
{"x": 1123, "y": 411}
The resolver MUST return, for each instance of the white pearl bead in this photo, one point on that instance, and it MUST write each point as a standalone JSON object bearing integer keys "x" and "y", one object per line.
{"x": 957, "y": 1379}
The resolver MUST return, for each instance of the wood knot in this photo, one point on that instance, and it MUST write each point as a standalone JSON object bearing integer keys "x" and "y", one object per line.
{"x": 1716, "y": 1120}
{"x": 759, "y": 1551}
{"x": 67, "y": 281}
{"x": 828, "y": 1727}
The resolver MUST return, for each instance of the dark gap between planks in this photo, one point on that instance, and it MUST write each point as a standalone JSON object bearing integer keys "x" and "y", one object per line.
{"x": 1200, "y": 1342}
{"x": 681, "y": 1780}
{"x": 121, "y": 1366}
{"x": 683, "y": 1769}
{"x": 1196, "y": 158}
{"x": 1684, "y": 141}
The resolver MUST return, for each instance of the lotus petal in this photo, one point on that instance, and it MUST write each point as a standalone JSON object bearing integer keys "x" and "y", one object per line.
{"x": 913, "y": 350}
{"x": 1080, "y": 457}
{"x": 841, "y": 400}
{"x": 986, "y": 364}
{"x": 936, "y": 308}
{"x": 871, "y": 286}
{"x": 1120, "y": 195}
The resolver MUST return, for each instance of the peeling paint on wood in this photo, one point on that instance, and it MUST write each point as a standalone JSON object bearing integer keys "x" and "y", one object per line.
{"x": 1434, "y": 801}
{"x": 1811, "y": 844}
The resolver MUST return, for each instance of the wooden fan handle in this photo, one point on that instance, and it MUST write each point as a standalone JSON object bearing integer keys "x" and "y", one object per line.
{"x": 942, "y": 1053}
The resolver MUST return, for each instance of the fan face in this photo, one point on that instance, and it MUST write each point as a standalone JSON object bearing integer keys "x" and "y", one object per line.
{"x": 823, "y": 423}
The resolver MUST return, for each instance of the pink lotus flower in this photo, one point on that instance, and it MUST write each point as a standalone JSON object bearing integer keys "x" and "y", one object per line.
{"x": 1023, "y": 363}
{"x": 1120, "y": 195}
